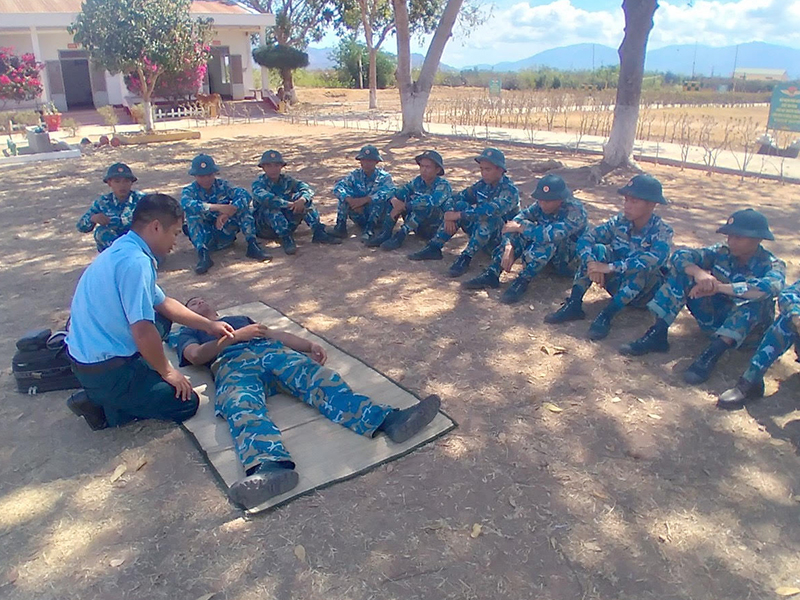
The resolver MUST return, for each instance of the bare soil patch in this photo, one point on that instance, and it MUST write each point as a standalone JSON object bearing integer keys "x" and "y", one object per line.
{"x": 639, "y": 488}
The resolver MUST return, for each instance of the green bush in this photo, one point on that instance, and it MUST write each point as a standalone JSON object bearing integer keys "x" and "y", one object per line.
{"x": 346, "y": 57}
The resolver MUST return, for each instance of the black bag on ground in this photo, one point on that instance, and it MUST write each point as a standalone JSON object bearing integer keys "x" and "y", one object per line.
{"x": 41, "y": 363}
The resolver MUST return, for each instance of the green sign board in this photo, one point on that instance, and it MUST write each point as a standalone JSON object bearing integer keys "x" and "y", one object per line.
{"x": 494, "y": 87}
{"x": 784, "y": 110}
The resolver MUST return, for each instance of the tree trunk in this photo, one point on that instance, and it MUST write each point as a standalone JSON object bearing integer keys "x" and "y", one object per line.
{"x": 289, "y": 93}
{"x": 414, "y": 94}
{"x": 147, "y": 94}
{"x": 373, "y": 78}
{"x": 638, "y": 24}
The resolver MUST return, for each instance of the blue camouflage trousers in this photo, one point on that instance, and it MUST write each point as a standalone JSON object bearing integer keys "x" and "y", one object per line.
{"x": 104, "y": 235}
{"x": 778, "y": 339}
{"x": 536, "y": 257}
{"x": 280, "y": 222}
{"x": 204, "y": 234}
{"x": 247, "y": 374}
{"x": 635, "y": 287}
{"x": 424, "y": 221}
{"x": 484, "y": 234}
{"x": 370, "y": 218}
{"x": 719, "y": 314}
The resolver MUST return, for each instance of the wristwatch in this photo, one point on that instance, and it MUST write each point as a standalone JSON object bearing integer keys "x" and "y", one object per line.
{"x": 740, "y": 288}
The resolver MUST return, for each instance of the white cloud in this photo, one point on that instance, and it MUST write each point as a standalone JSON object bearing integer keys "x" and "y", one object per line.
{"x": 522, "y": 30}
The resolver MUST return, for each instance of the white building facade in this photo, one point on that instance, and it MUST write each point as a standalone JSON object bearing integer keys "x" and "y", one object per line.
{"x": 71, "y": 81}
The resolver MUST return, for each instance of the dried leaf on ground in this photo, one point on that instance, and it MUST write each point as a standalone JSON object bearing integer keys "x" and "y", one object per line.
{"x": 435, "y": 525}
{"x": 592, "y": 547}
{"x": 140, "y": 463}
{"x": 787, "y": 591}
{"x": 554, "y": 350}
{"x": 207, "y": 596}
{"x": 476, "y": 530}
{"x": 300, "y": 552}
{"x": 12, "y": 576}
{"x": 118, "y": 472}
{"x": 654, "y": 416}
{"x": 552, "y": 407}
{"x": 116, "y": 562}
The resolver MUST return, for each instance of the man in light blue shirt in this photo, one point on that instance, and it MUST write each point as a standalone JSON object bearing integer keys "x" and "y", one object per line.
{"x": 114, "y": 338}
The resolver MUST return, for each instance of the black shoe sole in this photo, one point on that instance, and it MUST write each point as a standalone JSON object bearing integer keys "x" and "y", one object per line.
{"x": 550, "y": 321}
{"x": 428, "y": 408}
{"x": 93, "y": 414}
{"x": 256, "y": 489}
{"x": 626, "y": 350}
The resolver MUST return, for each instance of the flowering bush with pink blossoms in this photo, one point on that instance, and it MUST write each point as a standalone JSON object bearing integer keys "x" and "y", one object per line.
{"x": 19, "y": 77}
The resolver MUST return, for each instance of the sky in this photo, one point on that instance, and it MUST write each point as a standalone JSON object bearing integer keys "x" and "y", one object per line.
{"x": 517, "y": 30}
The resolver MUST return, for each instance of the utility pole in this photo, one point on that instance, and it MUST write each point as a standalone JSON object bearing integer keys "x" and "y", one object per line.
{"x": 733, "y": 75}
{"x": 694, "y": 58}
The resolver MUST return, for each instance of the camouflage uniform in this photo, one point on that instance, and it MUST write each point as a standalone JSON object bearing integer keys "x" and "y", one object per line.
{"x": 780, "y": 337}
{"x": 545, "y": 239}
{"x": 423, "y": 206}
{"x": 637, "y": 258}
{"x": 726, "y": 316}
{"x": 377, "y": 186}
{"x": 271, "y": 211}
{"x": 485, "y": 209}
{"x": 201, "y": 222}
{"x": 246, "y": 374}
{"x": 119, "y": 213}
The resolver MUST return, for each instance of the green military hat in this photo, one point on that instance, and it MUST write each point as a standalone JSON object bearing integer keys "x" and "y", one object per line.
{"x": 434, "y": 156}
{"x": 203, "y": 164}
{"x": 494, "y": 156}
{"x": 369, "y": 152}
{"x": 747, "y": 223}
{"x": 271, "y": 157}
{"x": 551, "y": 187}
{"x": 644, "y": 187}
{"x": 120, "y": 170}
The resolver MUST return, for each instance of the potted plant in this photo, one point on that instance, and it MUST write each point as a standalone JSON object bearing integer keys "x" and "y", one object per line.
{"x": 51, "y": 117}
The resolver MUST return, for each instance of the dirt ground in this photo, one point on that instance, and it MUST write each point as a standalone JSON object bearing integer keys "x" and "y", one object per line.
{"x": 638, "y": 488}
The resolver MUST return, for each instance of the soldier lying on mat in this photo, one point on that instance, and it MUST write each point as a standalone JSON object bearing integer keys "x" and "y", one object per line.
{"x": 259, "y": 362}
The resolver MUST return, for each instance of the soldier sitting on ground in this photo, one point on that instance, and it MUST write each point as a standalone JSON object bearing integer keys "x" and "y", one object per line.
{"x": 419, "y": 202}
{"x": 480, "y": 211}
{"x": 625, "y": 255}
{"x": 782, "y": 335}
{"x": 281, "y": 203}
{"x": 215, "y": 212}
{"x": 111, "y": 214}
{"x": 729, "y": 289}
{"x": 546, "y": 232}
{"x": 363, "y": 196}
{"x": 253, "y": 365}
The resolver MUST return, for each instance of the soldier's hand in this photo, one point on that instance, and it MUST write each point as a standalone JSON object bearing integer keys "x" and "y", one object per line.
{"x": 398, "y": 204}
{"x": 512, "y": 227}
{"x": 221, "y": 220}
{"x": 183, "y": 389}
{"x": 699, "y": 291}
{"x": 220, "y": 329}
{"x": 100, "y": 219}
{"x": 508, "y": 258}
{"x": 452, "y": 215}
{"x": 249, "y": 332}
{"x": 298, "y": 206}
{"x": 318, "y": 353}
{"x": 450, "y": 227}
{"x": 705, "y": 283}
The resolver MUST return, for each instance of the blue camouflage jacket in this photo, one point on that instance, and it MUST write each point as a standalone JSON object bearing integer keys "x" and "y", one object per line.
{"x": 119, "y": 213}
{"x": 646, "y": 249}
{"x": 418, "y": 194}
{"x": 789, "y": 300}
{"x": 484, "y": 201}
{"x": 195, "y": 199}
{"x": 541, "y": 228}
{"x": 268, "y": 194}
{"x": 764, "y": 271}
{"x": 378, "y": 186}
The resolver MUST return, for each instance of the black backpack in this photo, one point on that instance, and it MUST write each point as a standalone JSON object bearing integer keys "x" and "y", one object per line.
{"x": 41, "y": 363}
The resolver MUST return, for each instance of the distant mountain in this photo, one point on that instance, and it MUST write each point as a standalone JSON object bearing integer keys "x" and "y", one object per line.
{"x": 681, "y": 60}
{"x": 318, "y": 60}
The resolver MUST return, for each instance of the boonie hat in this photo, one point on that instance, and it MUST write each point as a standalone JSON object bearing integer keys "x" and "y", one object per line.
{"x": 551, "y": 187}
{"x": 434, "y": 156}
{"x": 644, "y": 187}
{"x": 120, "y": 170}
{"x": 369, "y": 152}
{"x": 494, "y": 156}
{"x": 271, "y": 157}
{"x": 747, "y": 223}
{"x": 203, "y": 164}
